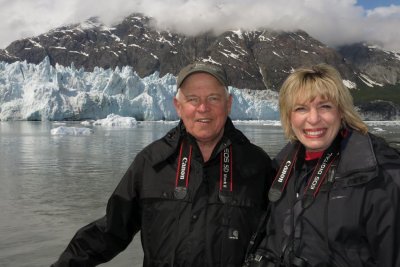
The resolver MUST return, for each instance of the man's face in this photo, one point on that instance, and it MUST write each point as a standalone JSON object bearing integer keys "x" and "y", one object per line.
{"x": 203, "y": 105}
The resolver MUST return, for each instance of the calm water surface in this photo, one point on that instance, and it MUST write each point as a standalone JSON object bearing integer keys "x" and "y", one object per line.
{"x": 53, "y": 185}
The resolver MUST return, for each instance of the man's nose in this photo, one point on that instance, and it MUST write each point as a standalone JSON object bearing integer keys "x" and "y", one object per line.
{"x": 203, "y": 106}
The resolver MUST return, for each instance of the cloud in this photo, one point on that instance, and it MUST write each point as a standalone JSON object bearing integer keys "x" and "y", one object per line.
{"x": 334, "y": 22}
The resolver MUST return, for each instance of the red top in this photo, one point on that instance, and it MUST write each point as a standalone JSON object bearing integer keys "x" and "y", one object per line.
{"x": 311, "y": 155}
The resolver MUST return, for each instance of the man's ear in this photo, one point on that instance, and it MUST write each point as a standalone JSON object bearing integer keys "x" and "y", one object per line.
{"x": 230, "y": 100}
{"x": 177, "y": 106}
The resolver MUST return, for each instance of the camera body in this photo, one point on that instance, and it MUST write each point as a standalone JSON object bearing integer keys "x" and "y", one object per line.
{"x": 258, "y": 260}
{"x": 267, "y": 260}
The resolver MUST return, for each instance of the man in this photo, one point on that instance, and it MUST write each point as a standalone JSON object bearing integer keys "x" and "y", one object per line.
{"x": 196, "y": 194}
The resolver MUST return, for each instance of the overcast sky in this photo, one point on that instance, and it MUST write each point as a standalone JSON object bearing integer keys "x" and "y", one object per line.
{"x": 333, "y": 22}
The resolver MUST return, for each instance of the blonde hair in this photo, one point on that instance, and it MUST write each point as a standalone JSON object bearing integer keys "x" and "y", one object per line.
{"x": 305, "y": 84}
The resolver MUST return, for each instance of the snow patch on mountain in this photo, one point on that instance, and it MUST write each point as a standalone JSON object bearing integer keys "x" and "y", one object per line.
{"x": 368, "y": 81}
{"x": 349, "y": 84}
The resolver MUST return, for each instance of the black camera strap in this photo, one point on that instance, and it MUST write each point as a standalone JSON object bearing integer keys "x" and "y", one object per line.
{"x": 258, "y": 235}
{"x": 285, "y": 170}
{"x": 317, "y": 178}
{"x": 320, "y": 172}
{"x": 183, "y": 171}
{"x": 226, "y": 181}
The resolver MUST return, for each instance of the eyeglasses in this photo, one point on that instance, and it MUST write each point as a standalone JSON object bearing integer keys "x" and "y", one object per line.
{"x": 209, "y": 100}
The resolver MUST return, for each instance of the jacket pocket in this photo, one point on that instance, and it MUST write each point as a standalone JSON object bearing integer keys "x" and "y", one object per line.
{"x": 232, "y": 226}
{"x": 159, "y": 228}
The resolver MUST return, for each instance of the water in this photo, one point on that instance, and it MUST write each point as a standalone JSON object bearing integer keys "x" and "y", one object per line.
{"x": 53, "y": 185}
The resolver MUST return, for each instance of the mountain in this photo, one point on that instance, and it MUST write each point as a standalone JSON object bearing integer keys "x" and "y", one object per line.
{"x": 258, "y": 60}
{"x": 382, "y": 66}
{"x": 378, "y": 95}
{"x": 254, "y": 59}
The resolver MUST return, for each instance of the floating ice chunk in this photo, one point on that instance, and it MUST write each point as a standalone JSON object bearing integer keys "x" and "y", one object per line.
{"x": 87, "y": 123}
{"x": 64, "y": 130}
{"x": 259, "y": 122}
{"x": 113, "y": 120}
{"x": 59, "y": 123}
{"x": 382, "y": 123}
{"x": 377, "y": 129}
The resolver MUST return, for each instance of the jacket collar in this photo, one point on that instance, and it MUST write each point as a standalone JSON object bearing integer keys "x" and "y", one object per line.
{"x": 357, "y": 159}
{"x": 357, "y": 155}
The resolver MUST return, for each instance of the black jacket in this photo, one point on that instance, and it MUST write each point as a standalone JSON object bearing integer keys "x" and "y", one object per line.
{"x": 356, "y": 223}
{"x": 199, "y": 230}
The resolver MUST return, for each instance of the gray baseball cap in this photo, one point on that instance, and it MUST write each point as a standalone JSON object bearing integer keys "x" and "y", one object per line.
{"x": 214, "y": 70}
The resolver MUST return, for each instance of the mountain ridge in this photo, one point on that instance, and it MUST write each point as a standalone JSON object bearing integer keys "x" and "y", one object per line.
{"x": 251, "y": 58}
{"x": 258, "y": 60}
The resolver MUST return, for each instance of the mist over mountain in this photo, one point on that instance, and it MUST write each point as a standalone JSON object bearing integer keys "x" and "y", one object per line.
{"x": 260, "y": 59}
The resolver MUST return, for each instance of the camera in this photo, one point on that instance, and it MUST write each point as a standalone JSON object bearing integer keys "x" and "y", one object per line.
{"x": 260, "y": 260}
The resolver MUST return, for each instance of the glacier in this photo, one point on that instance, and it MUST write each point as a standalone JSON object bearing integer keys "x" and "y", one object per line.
{"x": 44, "y": 92}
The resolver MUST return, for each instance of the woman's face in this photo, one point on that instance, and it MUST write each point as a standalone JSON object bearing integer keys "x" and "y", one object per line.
{"x": 316, "y": 123}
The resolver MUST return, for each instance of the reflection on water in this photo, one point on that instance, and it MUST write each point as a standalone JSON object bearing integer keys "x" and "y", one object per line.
{"x": 53, "y": 185}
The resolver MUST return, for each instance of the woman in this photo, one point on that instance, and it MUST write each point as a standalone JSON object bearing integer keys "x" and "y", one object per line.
{"x": 335, "y": 200}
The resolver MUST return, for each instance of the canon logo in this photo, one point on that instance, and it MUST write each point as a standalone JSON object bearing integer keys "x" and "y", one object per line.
{"x": 284, "y": 171}
{"x": 183, "y": 168}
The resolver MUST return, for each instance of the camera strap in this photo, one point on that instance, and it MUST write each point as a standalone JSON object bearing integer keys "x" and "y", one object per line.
{"x": 258, "y": 235}
{"x": 284, "y": 172}
{"x": 183, "y": 171}
{"x": 316, "y": 179}
{"x": 320, "y": 172}
{"x": 226, "y": 181}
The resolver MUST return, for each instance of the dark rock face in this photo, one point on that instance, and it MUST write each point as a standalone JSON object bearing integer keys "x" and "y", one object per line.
{"x": 382, "y": 66}
{"x": 379, "y": 110}
{"x": 253, "y": 59}
{"x": 7, "y": 57}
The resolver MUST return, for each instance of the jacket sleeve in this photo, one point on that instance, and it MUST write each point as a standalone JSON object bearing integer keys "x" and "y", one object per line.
{"x": 383, "y": 212}
{"x": 103, "y": 239}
